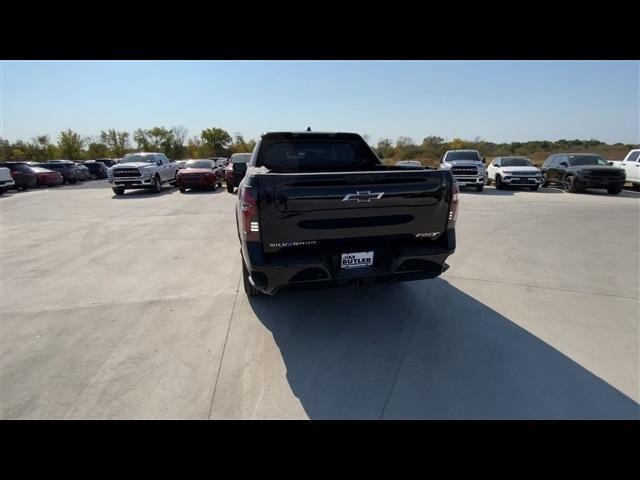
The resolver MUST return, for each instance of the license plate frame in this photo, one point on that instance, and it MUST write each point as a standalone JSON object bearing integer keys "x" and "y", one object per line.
{"x": 355, "y": 260}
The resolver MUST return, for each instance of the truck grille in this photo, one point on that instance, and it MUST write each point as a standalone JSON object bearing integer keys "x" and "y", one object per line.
{"x": 126, "y": 172}
{"x": 464, "y": 170}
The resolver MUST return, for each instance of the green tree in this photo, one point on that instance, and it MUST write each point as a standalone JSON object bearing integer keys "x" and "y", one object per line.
{"x": 116, "y": 141}
{"x": 384, "y": 149}
{"x": 217, "y": 140}
{"x": 97, "y": 150}
{"x": 40, "y": 148}
{"x": 432, "y": 141}
{"x": 70, "y": 144}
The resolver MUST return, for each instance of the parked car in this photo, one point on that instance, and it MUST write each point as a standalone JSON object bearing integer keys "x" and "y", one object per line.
{"x": 143, "y": 170}
{"x": 198, "y": 174}
{"x": 69, "y": 170}
{"x": 221, "y": 164}
{"x": 577, "y": 171}
{"x": 23, "y": 175}
{"x": 321, "y": 208}
{"x": 46, "y": 177}
{"x": 83, "y": 172}
{"x": 466, "y": 166}
{"x": 6, "y": 180}
{"x": 97, "y": 170}
{"x": 107, "y": 162}
{"x": 513, "y": 172}
{"x": 631, "y": 166}
{"x": 235, "y": 170}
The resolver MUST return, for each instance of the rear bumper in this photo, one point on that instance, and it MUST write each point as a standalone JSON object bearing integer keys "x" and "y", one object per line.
{"x": 401, "y": 264}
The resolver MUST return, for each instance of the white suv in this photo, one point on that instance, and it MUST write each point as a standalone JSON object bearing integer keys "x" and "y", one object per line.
{"x": 6, "y": 180}
{"x": 631, "y": 165}
{"x": 513, "y": 171}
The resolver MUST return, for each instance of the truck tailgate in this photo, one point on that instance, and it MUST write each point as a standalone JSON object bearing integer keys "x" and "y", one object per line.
{"x": 314, "y": 209}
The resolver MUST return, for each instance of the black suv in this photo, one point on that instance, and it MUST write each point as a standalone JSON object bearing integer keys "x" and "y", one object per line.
{"x": 68, "y": 169}
{"x": 96, "y": 169}
{"x": 577, "y": 171}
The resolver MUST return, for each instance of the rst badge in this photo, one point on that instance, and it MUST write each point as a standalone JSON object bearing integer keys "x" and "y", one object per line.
{"x": 361, "y": 197}
{"x": 357, "y": 260}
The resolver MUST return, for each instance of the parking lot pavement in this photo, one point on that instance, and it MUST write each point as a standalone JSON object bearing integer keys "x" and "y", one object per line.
{"x": 128, "y": 307}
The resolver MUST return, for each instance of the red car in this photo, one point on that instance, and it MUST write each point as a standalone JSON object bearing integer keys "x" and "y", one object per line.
{"x": 198, "y": 174}
{"x": 46, "y": 177}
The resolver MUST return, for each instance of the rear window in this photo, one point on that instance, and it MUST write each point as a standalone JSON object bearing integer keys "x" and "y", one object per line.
{"x": 315, "y": 156}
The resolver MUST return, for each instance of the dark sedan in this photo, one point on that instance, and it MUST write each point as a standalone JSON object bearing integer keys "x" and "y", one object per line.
{"x": 197, "y": 174}
{"x": 577, "y": 171}
{"x": 46, "y": 177}
{"x": 23, "y": 174}
{"x": 68, "y": 169}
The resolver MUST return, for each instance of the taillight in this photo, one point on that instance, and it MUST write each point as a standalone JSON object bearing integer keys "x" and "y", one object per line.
{"x": 249, "y": 209}
{"x": 453, "y": 208}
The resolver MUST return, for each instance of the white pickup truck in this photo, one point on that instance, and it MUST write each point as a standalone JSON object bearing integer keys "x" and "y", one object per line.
{"x": 142, "y": 170}
{"x": 631, "y": 165}
{"x": 466, "y": 166}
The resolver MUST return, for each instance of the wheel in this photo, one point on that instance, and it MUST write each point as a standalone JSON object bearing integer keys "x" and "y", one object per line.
{"x": 614, "y": 190}
{"x": 544, "y": 183}
{"x": 219, "y": 184}
{"x": 182, "y": 189}
{"x": 229, "y": 188}
{"x": 157, "y": 186}
{"x": 94, "y": 177}
{"x": 118, "y": 190}
{"x": 534, "y": 189}
{"x": 499, "y": 184}
{"x": 479, "y": 188}
{"x": 570, "y": 184}
{"x": 248, "y": 288}
{"x": 2, "y": 190}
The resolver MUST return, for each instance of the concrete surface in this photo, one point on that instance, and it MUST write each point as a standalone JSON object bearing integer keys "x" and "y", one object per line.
{"x": 129, "y": 308}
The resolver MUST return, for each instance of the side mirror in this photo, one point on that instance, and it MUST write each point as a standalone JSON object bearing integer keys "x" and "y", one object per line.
{"x": 484, "y": 160}
{"x": 159, "y": 162}
{"x": 609, "y": 163}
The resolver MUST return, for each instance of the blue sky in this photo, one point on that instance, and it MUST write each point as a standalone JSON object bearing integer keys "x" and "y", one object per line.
{"x": 497, "y": 101}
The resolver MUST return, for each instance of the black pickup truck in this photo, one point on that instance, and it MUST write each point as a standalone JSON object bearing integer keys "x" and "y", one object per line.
{"x": 321, "y": 208}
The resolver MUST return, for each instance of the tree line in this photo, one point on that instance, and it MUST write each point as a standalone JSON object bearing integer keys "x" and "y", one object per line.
{"x": 217, "y": 142}
{"x": 173, "y": 142}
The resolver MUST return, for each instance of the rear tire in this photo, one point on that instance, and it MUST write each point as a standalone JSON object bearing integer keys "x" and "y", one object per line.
{"x": 182, "y": 189}
{"x": 614, "y": 190}
{"x": 118, "y": 190}
{"x": 229, "y": 188}
{"x": 534, "y": 189}
{"x": 248, "y": 288}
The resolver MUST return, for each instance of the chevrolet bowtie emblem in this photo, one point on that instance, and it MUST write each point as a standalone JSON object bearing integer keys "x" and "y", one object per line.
{"x": 362, "y": 197}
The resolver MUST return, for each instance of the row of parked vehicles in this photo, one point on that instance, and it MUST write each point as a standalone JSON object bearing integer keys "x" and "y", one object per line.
{"x": 23, "y": 175}
{"x": 574, "y": 172}
{"x": 151, "y": 170}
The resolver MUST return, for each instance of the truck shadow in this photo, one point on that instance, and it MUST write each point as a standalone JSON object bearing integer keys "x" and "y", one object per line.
{"x": 425, "y": 350}
{"x": 143, "y": 193}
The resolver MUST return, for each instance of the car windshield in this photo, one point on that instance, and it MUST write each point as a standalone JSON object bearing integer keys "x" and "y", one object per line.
{"x": 138, "y": 158}
{"x": 198, "y": 164}
{"x": 471, "y": 155}
{"x": 515, "y": 162}
{"x": 577, "y": 160}
{"x": 241, "y": 158}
